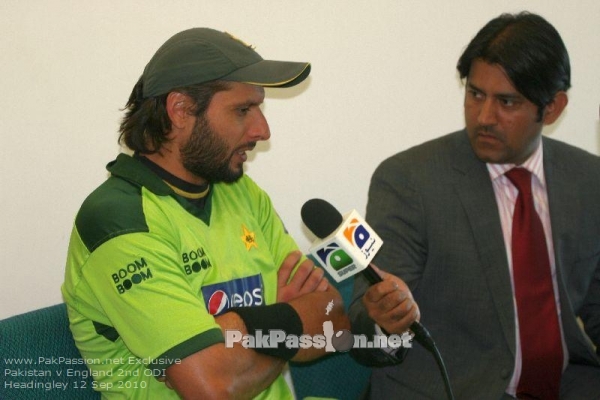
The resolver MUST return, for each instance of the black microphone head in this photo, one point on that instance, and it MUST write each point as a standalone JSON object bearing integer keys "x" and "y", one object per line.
{"x": 320, "y": 217}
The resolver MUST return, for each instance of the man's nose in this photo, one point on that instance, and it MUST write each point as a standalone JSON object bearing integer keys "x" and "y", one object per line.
{"x": 259, "y": 127}
{"x": 487, "y": 113}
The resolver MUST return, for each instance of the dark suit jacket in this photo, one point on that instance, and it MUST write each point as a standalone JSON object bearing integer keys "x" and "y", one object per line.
{"x": 434, "y": 207}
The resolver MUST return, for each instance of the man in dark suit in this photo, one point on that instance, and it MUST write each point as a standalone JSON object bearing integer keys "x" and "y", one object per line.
{"x": 444, "y": 210}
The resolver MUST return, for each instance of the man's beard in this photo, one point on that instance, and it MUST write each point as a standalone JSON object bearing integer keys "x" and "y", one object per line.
{"x": 207, "y": 156}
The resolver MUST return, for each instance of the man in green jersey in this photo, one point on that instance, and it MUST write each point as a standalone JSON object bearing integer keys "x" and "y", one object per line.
{"x": 178, "y": 246}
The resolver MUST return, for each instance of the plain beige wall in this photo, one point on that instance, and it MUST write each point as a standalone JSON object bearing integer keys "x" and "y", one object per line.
{"x": 383, "y": 80}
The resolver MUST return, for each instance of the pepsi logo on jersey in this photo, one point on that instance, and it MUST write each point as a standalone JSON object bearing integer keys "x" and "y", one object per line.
{"x": 241, "y": 292}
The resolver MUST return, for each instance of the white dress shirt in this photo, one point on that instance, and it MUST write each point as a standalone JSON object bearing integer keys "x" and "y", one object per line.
{"x": 506, "y": 197}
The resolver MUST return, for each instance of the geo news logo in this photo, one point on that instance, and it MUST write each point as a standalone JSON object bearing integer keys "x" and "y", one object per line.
{"x": 359, "y": 238}
{"x": 334, "y": 256}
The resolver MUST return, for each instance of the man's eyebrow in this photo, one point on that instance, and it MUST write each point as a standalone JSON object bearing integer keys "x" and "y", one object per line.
{"x": 471, "y": 86}
{"x": 247, "y": 103}
{"x": 508, "y": 95}
{"x": 243, "y": 104}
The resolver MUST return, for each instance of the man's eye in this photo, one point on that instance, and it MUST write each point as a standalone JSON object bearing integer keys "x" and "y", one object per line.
{"x": 475, "y": 95}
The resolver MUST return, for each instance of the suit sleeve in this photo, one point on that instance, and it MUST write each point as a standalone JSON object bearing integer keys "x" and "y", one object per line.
{"x": 590, "y": 312}
{"x": 395, "y": 212}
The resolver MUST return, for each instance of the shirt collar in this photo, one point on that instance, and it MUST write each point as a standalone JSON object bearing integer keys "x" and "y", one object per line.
{"x": 534, "y": 164}
{"x": 132, "y": 170}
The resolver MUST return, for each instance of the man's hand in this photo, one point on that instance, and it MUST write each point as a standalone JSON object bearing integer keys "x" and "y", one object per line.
{"x": 307, "y": 278}
{"x": 390, "y": 304}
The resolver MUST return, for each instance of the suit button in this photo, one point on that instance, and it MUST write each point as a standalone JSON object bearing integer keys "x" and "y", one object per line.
{"x": 505, "y": 373}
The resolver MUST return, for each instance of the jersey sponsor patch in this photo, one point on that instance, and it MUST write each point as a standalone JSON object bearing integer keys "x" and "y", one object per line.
{"x": 134, "y": 273}
{"x": 241, "y": 292}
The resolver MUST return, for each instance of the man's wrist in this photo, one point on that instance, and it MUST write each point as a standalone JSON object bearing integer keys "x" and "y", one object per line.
{"x": 278, "y": 316}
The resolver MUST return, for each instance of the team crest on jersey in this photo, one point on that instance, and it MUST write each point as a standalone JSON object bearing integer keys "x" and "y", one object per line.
{"x": 249, "y": 238}
{"x": 241, "y": 292}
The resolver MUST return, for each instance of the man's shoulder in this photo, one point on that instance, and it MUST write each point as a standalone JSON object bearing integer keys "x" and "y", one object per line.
{"x": 432, "y": 148}
{"x": 571, "y": 162}
{"x": 427, "y": 156}
{"x": 114, "y": 208}
{"x": 564, "y": 152}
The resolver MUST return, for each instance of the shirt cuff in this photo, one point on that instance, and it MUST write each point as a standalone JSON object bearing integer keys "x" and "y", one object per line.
{"x": 389, "y": 350}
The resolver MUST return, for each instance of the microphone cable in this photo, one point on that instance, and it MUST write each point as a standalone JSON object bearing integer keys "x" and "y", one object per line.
{"x": 422, "y": 336}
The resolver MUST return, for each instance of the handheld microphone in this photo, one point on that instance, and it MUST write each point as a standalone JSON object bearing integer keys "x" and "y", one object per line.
{"x": 347, "y": 244}
{"x": 346, "y": 247}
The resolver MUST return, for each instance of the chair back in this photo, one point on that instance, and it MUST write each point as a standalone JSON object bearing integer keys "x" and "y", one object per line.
{"x": 40, "y": 360}
{"x": 335, "y": 376}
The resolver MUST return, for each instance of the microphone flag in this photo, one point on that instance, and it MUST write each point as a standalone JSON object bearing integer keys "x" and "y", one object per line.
{"x": 347, "y": 250}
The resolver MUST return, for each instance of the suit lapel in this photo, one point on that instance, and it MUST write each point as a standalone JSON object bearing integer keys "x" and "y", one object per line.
{"x": 559, "y": 188}
{"x": 476, "y": 194}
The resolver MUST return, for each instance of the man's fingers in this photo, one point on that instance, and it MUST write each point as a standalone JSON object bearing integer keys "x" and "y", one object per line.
{"x": 307, "y": 278}
{"x": 376, "y": 292}
{"x": 391, "y": 301}
{"x": 313, "y": 280}
{"x": 302, "y": 273}
{"x": 286, "y": 268}
{"x": 400, "y": 311}
{"x": 323, "y": 285}
{"x": 400, "y": 319}
{"x": 396, "y": 319}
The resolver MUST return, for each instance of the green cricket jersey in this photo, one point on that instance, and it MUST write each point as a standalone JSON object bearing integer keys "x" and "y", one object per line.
{"x": 147, "y": 271}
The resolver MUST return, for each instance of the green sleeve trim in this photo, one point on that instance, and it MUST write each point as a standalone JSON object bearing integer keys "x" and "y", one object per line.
{"x": 107, "y": 331}
{"x": 189, "y": 347}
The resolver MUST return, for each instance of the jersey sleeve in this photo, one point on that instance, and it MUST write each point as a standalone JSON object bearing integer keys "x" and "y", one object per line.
{"x": 137, "y": 281}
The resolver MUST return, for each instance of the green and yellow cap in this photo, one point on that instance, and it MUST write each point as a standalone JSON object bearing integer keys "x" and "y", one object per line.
{"x": 200, "y": 55}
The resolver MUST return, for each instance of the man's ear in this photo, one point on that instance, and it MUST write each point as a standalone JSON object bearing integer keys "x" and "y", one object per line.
{"x": 178, "y": 106}
{"x": 553, "y": 110}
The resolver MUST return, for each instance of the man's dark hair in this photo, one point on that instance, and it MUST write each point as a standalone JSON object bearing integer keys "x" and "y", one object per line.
{"x": 146, "y": 124}
{"x": 529, "y": 49}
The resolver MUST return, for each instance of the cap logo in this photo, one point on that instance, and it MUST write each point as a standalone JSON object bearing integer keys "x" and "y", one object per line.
{"x": 240, "y": 41}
